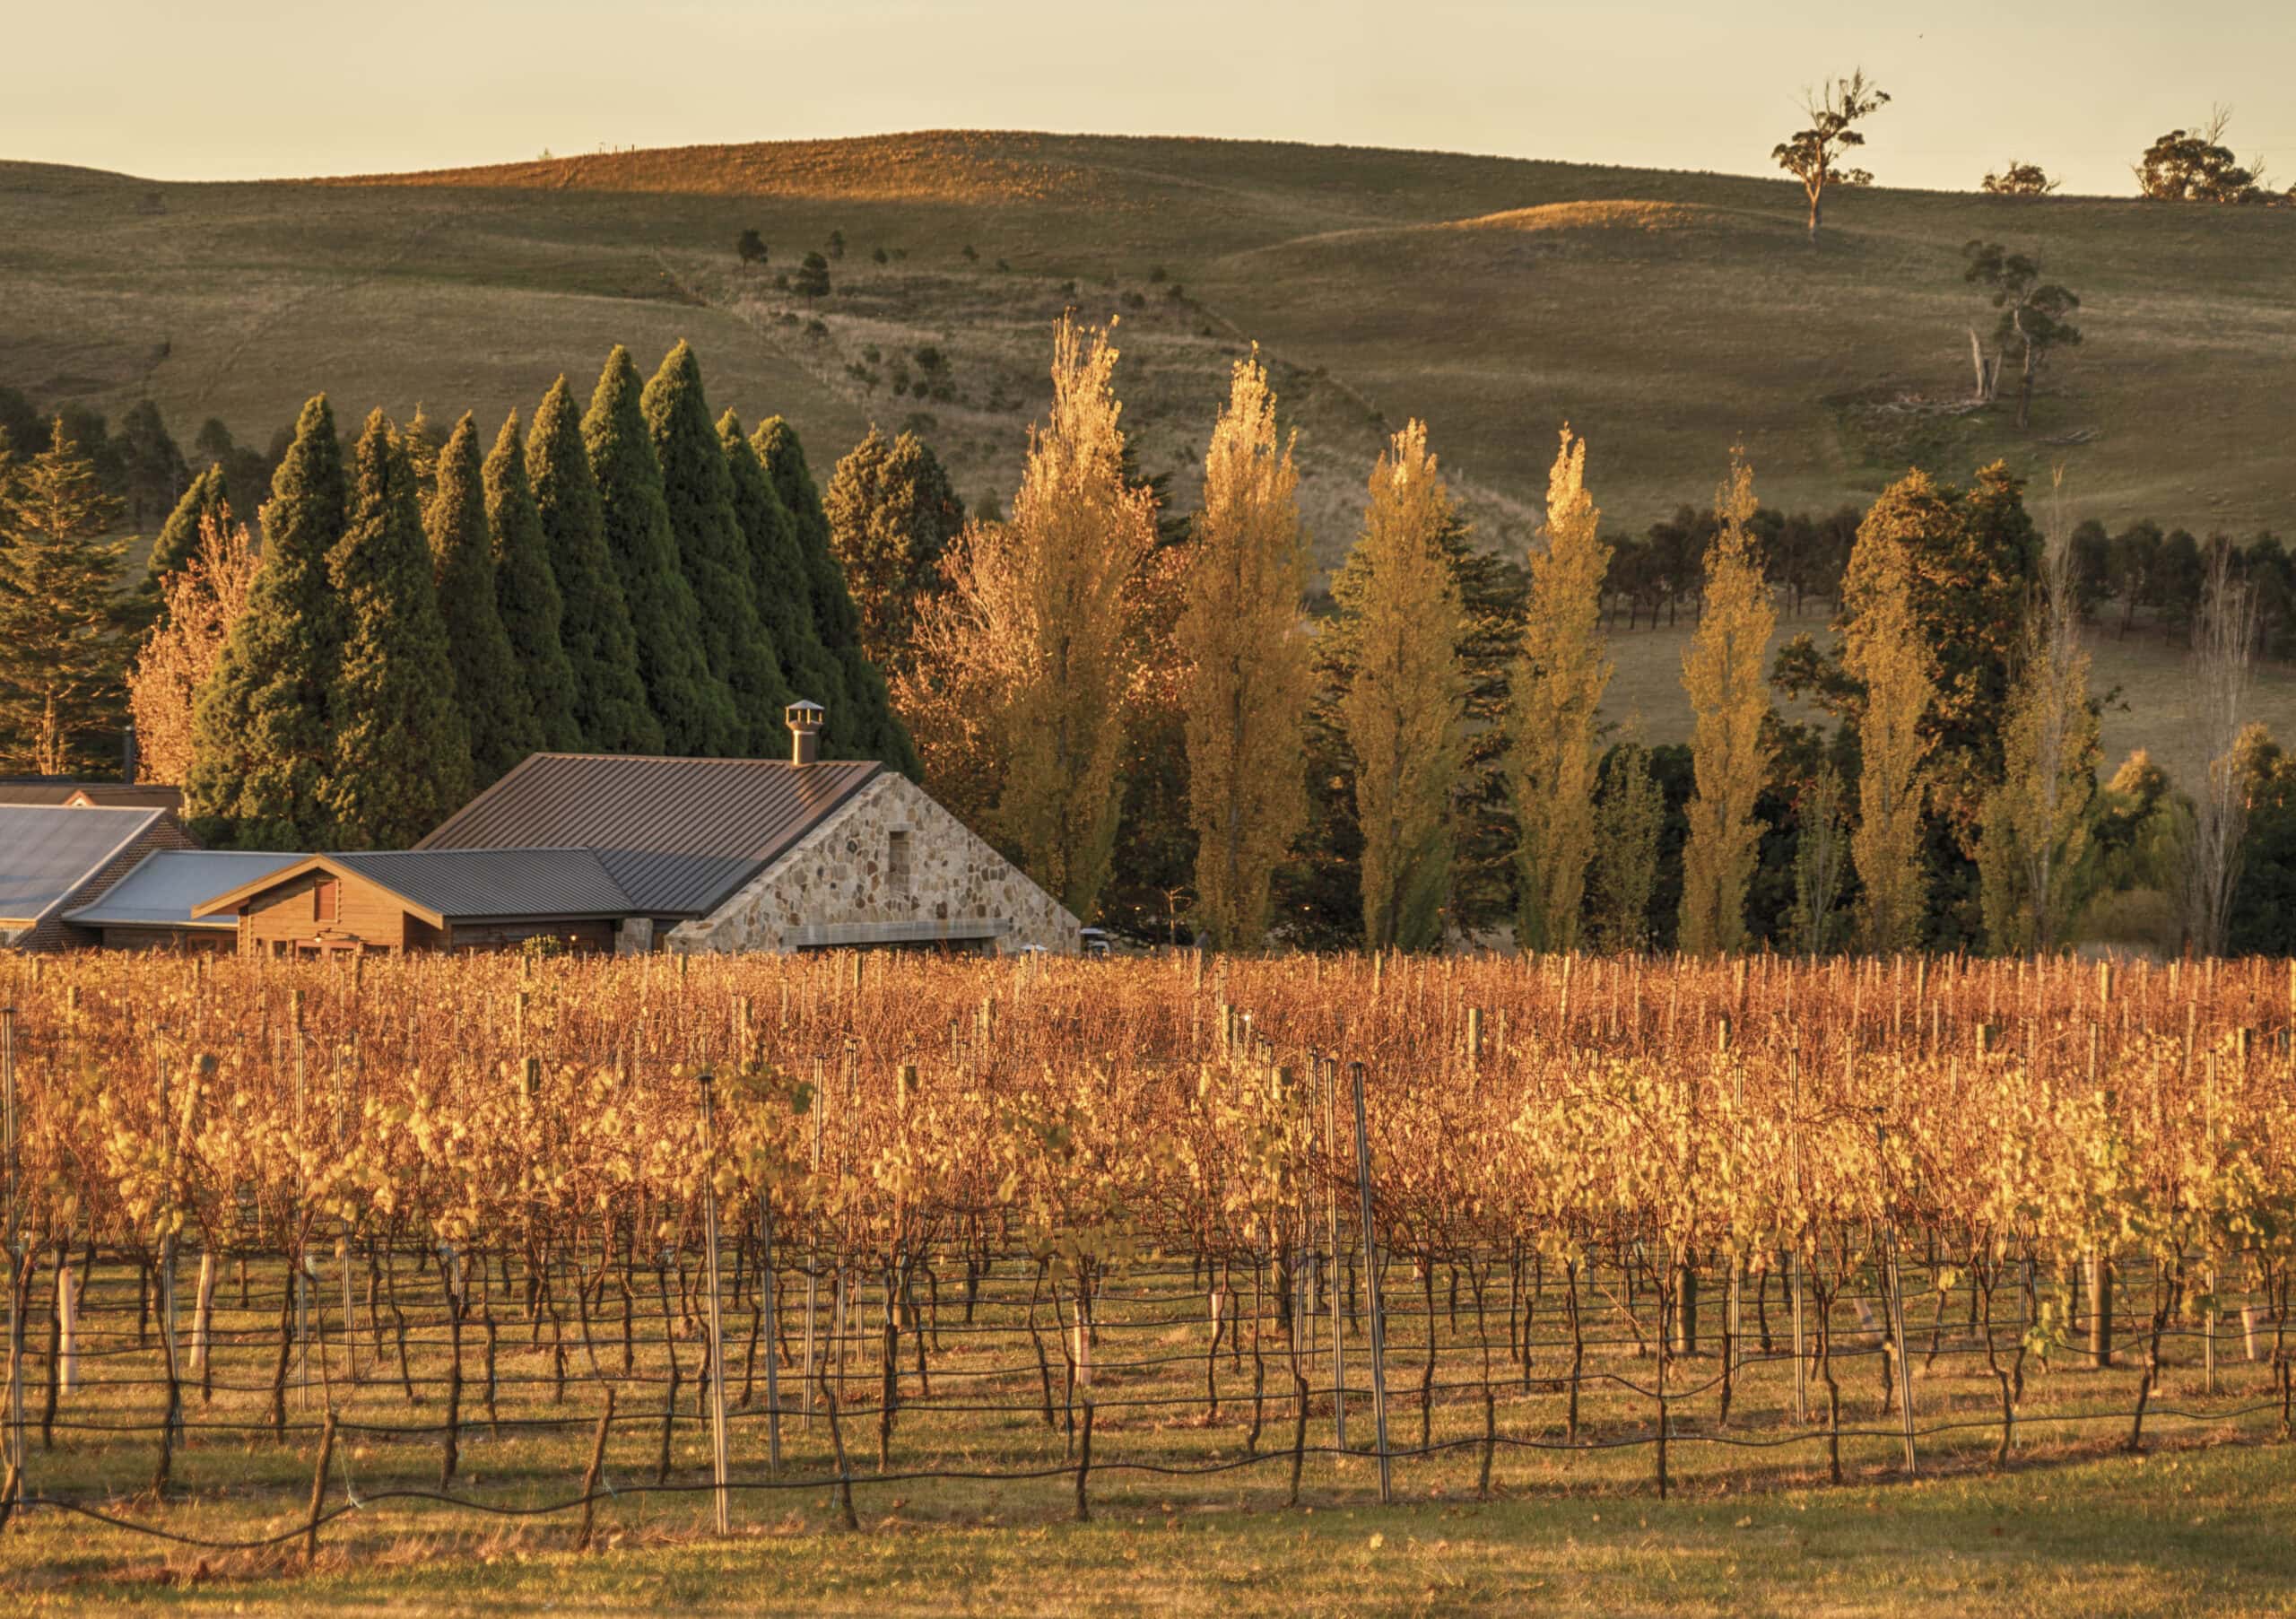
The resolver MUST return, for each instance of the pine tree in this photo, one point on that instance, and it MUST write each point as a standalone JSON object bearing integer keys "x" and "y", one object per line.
{"x": 201, "y": 602}
{"x": 699, "y": 491}
{"x": 695, "y": 711}
{"x": 1558, "y": 691}
{"x": 497, "y": 717}
{"x": 609, "y": 693}
{"x": 1244, "y": 644}
{"x": 1819, "y": 864}
{"x": 780, "y": 585}
{"x": 64, "y": 649}
{"x": 892, "y": 514}
{"x": 205, "y": 500}
{"x": 526, "y": 594}
{"x": 872, "y": 730}
{"x": 1035, "y": 633}
{"x": 1725, "y": 672}
{"x": 402, "y": 757}
{"x": 1403, "y": 707}
{"x": 1886, "y": 652}
{"x": 1630, "y": 813}
{"x": 260, "y": 740}
{"x": 152, "y": 473}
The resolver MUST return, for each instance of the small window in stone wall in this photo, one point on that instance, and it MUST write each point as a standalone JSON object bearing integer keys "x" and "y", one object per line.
{"x": 897, "y": 863}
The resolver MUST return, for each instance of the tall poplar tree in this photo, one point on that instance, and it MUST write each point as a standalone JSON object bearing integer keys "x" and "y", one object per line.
{"x": 1558, "y": 689}
{"x": 1249, "y": 677}
{"x": 1034, "y": 631}
{"x": 609, "y": 706}
{"x": 64, "y": 645}
{"x": 1884, "y": 650}
{"x": 497, "y": 717}
{"x": 781, "y": 587}
{"x": 695, "y": 711}
{"x": 260, "y": 738}
{"x": 401, "y": 760}
{"x": 1724, "y": 670}
{"x": 1403, "y": 710}
{"x": 207, "y": 499}
{"x": 526, "y": 594}
{"x": 872, "y": 729}
{"x": 699, "y": 491}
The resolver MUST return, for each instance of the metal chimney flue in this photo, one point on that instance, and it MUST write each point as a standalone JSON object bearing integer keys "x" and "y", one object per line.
{"x": 804, "y": 732}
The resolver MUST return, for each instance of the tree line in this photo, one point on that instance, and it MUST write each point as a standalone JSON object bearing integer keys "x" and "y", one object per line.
{"x": 424, "y": 610}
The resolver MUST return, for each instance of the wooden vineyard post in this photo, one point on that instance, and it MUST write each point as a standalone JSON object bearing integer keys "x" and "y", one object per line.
{"x": 813, "y": 1256}
{"x": 1371, "y": 1276}
{"x": 1801, "y": 1366}
{"x": 773, "y": 1315}
{"x": 1337, "y": 1288}
{"x": 718, "y": 1456}
{"x": 16, "y": 1299}
{"x": 1897, "y": 1321}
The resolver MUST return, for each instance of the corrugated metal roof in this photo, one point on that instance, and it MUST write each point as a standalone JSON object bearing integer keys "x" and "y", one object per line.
{"x": 166, "y": 883}
{"x": 471, "y": 885}
{"x": 47, "y": 853}
{"x": 676, "y": 835}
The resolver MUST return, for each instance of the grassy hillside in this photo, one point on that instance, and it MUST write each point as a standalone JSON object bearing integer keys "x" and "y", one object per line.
{"x": 1665, "y": 315}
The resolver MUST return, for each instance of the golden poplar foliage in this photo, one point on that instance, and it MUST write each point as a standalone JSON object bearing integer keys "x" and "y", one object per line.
{"x": 203, "y": 600}
{"x": 1725, "y": 671}
{"x": 1249, "y": 677}
{"x": 1557, "y": 687}
{"x": 1026, "y": 660}
{"x": 1406, "y": 694}
{"x": 1883, "y": 650}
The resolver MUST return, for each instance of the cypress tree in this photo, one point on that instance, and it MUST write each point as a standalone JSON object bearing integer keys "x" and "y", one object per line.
{"x": 699, "y": 491}
{"x": 496, "y": 714}
{"x": 872, "y": 729}
{"x": 779, "y": 582}
{"x": 696, "y": 711}
{"x": 892, "y": 514}
{"x": 402, "y": 759}
{"x": 259, "y": 729}
{"x": 526, "y": 594}
{"x": 610, "y": 708}
{"x": 207, "y": 496}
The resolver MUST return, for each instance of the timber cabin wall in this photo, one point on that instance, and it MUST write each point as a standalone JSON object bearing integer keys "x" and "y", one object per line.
{"x": 364, "y": 914}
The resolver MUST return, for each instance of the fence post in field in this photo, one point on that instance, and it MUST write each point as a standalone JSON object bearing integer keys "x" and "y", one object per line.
{"x": 773, "y": 1316}
{"x": 717, "y": 1458}
{"x": 1337, "y": 1288}
{"x": 1801, "y": 1366}
{"x": 1371, "y": 1275}
{"x": 1897, "y": 1321}
{"x": 15, "y": 1251}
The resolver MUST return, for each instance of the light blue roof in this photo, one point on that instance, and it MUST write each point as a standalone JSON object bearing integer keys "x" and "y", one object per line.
{"x": 166, "y": 883}
{"x": 47, "y": 854}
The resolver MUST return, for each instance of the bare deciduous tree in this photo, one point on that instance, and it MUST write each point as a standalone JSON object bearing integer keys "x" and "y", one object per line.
{"x": 2223, "y": 651}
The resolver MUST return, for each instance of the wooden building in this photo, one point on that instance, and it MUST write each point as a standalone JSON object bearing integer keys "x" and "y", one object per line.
{"x": 327, "y": 904}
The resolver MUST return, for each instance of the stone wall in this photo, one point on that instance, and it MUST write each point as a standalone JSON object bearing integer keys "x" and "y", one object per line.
{"x": 836, "y": 888}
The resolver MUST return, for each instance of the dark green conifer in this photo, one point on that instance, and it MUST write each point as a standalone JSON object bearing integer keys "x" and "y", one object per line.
{"x": 206, "y": 499}
{"x": 892, "y": 514}
{"x": 526, "y": 594}
{"x": 493, "y": 699}
{"x": 610, "y": 707}
{"x": 695, "y": 711}
{"x": 402, "y": 757}
{"x": 261, "y": 748}
{"x": 780, "y": 587}
{"x": 872, "y": 731}
{"x": 699, "y": 491}
{"x": 64, "y": 645}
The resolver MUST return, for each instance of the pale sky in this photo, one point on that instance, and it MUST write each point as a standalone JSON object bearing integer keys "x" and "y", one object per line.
{"x": 233, "y": 89}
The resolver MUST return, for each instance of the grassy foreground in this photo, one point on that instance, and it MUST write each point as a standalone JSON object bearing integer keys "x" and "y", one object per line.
{"x": 2178, "y": 1531}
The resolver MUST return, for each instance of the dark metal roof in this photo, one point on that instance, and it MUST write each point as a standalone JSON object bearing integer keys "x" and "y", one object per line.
{"x": 108, "y": 794}
{"x": 48, "y": 852}
{"x": 677, "y": 835}
{"x": 472, "y": 885}
{"x": 161, "y": 889}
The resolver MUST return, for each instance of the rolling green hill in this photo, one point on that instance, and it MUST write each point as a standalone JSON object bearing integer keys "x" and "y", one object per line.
{"x": 1665, "y": 315}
